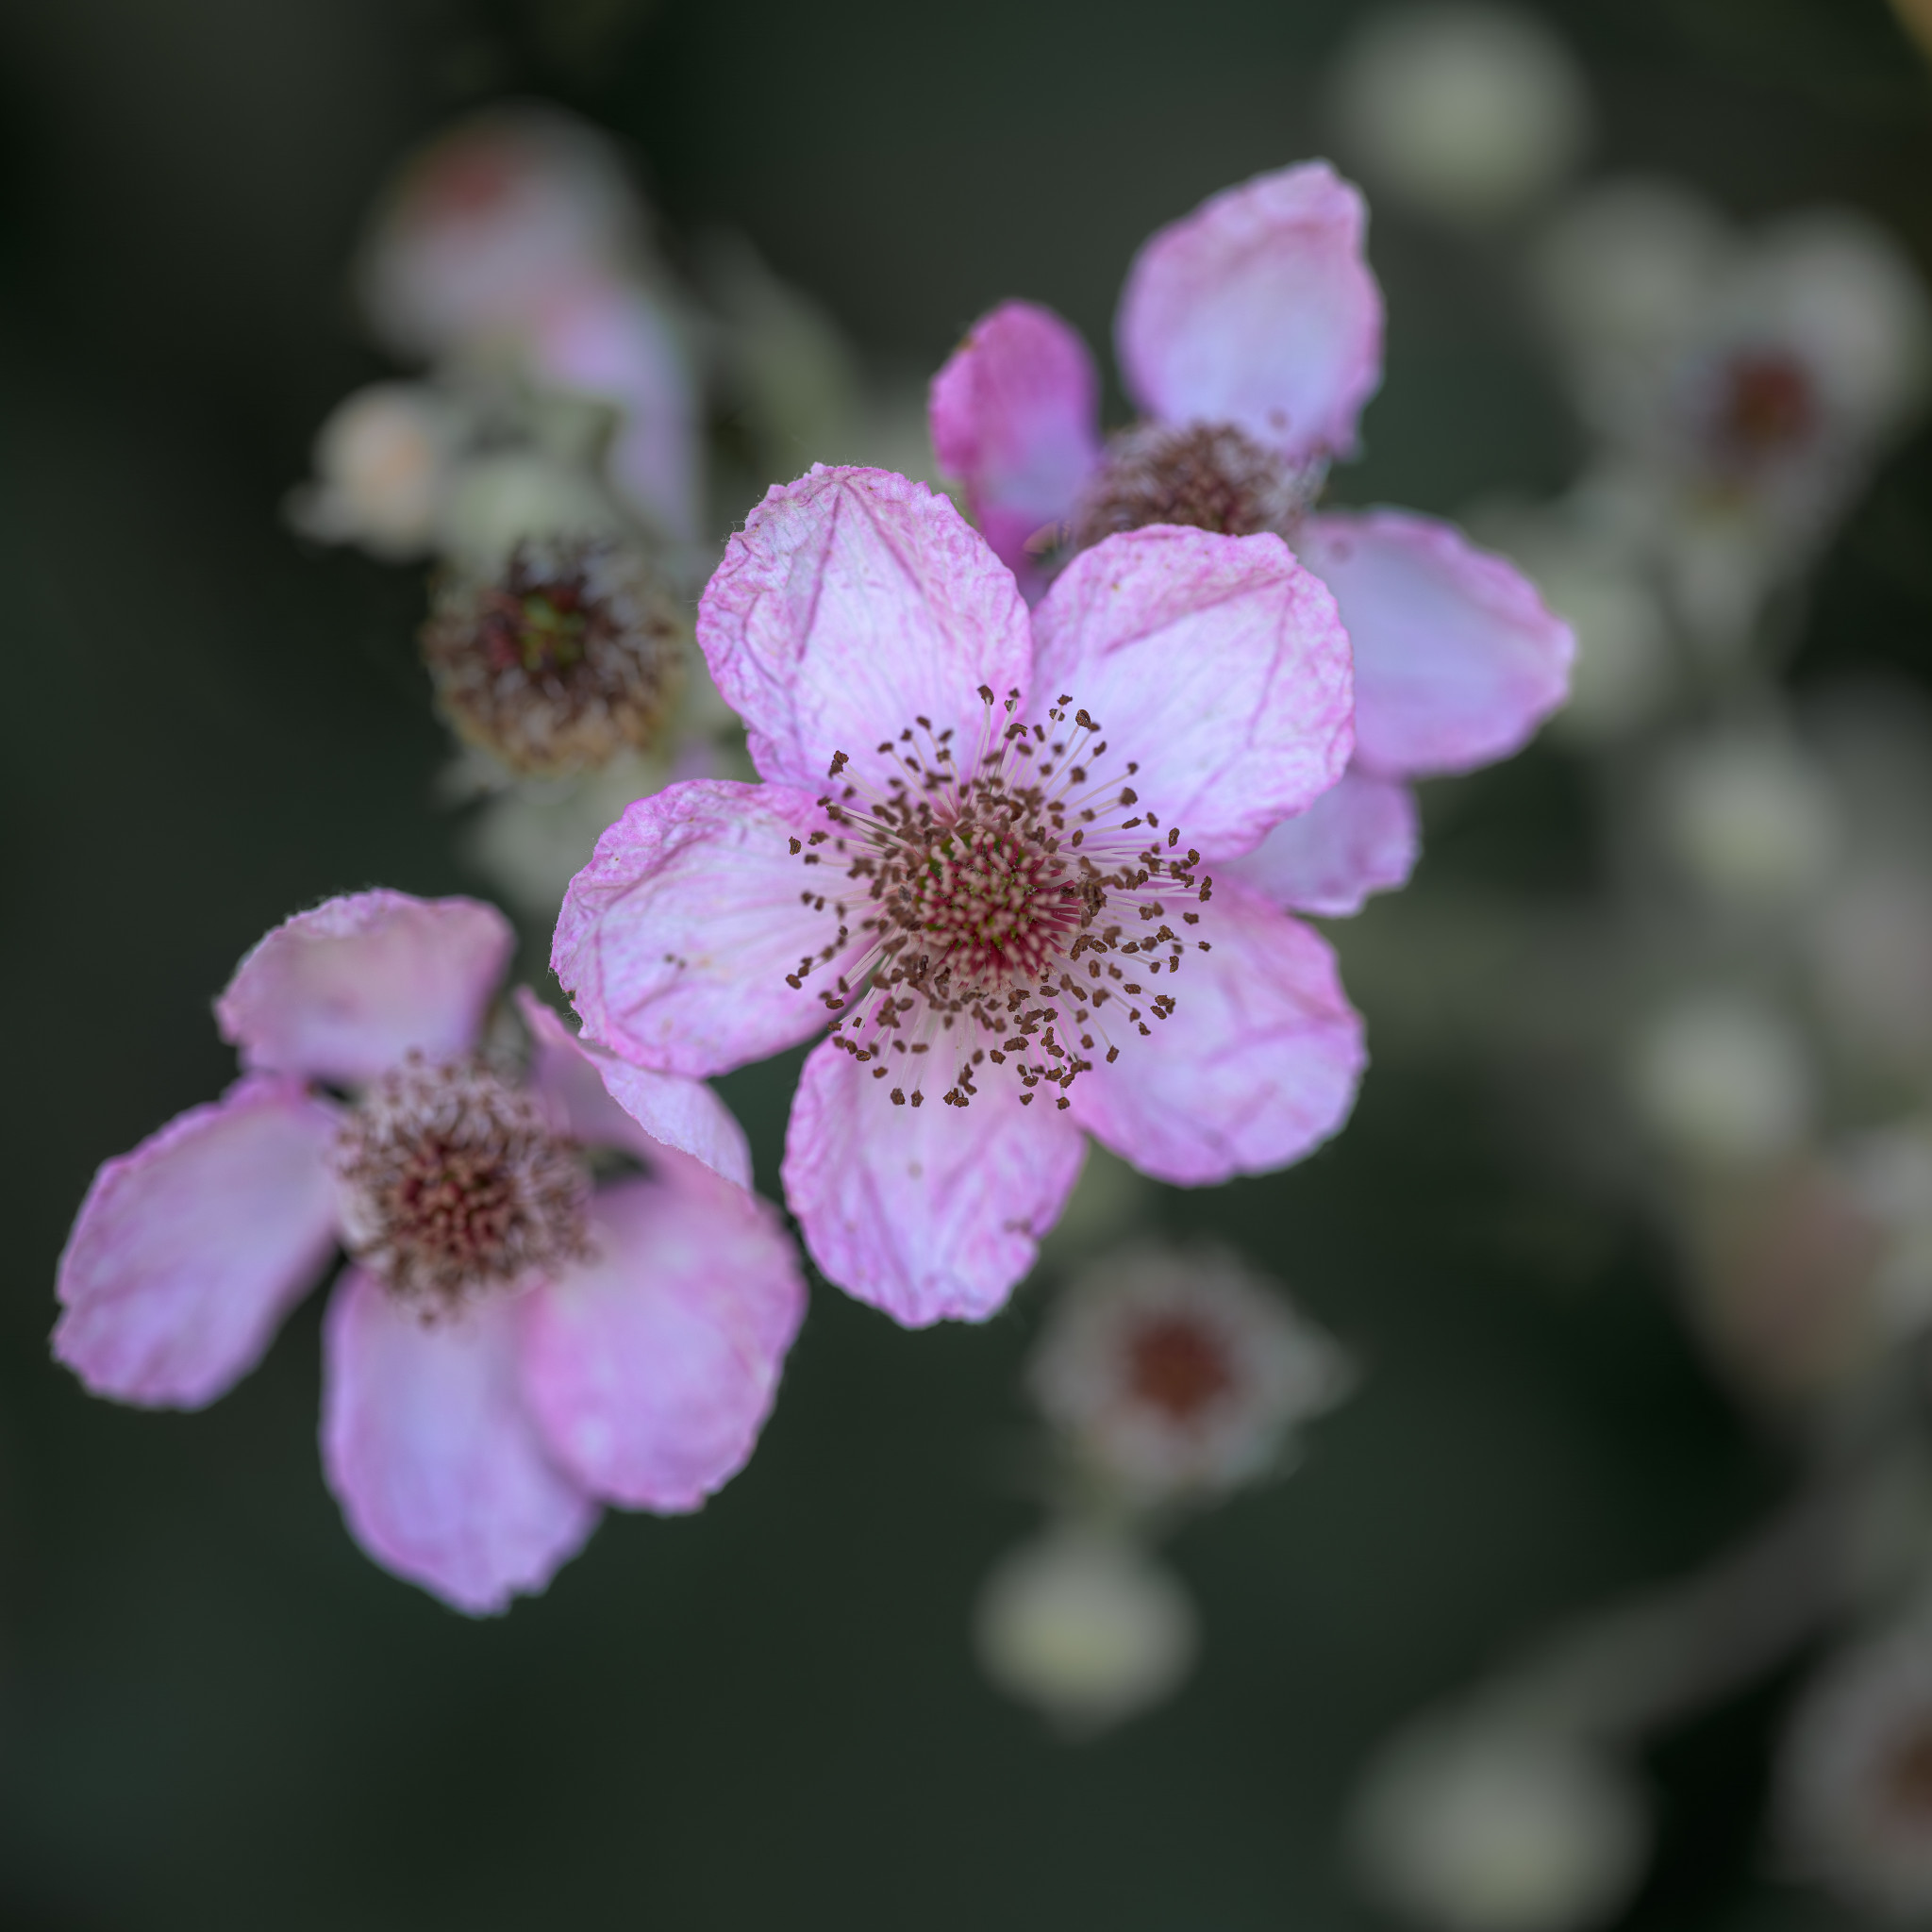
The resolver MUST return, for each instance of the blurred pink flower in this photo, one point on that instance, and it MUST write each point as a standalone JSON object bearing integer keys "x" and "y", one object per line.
{"x": 1250, "y": 337}
{"x": 980, "y": 831}
{"x": 518, "y": 232}
{"x": 512, "y": 1345}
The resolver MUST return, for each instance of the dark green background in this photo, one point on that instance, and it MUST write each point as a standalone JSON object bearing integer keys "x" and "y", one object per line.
{"x": 214, "y": 1713}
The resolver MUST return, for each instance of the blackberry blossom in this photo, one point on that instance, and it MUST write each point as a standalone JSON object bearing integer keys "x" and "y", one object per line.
{"x": 985, "y": 864}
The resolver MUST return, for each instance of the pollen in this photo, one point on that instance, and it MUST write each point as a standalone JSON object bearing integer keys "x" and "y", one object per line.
{"x": 455, "y": 1185}
{"x": 985, "y": 888}
{"x": 570, "y": 653}
{"x": 1206, "y": 476}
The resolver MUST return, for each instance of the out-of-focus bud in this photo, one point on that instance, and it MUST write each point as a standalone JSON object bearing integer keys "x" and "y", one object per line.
{"x": 1870, "y": 949}
{"x": 1082, "y": 1624}
{"x": 1750, "y": 818}
{"x": 568, "y": 654}
{"x": 1177, "y": 1372}
{"x": 1724, "y": 1080}
{"x": 489, "y": 224}
{"x": 1783, "y": 1262}
{"x": 382, "y": 462}
{"x": 1481, "y": 1826}
{"x": 1470, "y": 113}
{"x": 1890, "y": 1173}
{"x": 1855, "y": 1776}
{"x": 494, "y": 502}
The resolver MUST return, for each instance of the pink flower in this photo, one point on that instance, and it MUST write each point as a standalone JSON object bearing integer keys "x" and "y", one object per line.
{"x": 1250, "y": 337}
{"x": 512, "y": 1345}
{"x": 984, "y": 862}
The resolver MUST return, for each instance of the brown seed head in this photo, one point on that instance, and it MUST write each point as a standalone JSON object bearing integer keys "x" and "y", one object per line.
{"x": 1206, "y": 476}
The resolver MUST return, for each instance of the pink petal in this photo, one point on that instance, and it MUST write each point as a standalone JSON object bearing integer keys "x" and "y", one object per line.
{"x": 1359, "y": 837}
{"x": 1456, "y": 660}
{"x": 612, "y": 341}
{"x": 853, "y": 604}
{"x": 927, "y": 1212}
{"x": 1217, "y": 664}
{"x": 186, "y": 1253}
{"x": 434, "y": 1458}
{"x": 608, "y": 1103}
{"x": 674, "y": 942}
{"x": 1259, "y": 309}
{"x": 1258, "y": 1063}
{"x": 343, "y": 993}
{"x": 1015, "y": 416}
{"x": 652, "y": 1369}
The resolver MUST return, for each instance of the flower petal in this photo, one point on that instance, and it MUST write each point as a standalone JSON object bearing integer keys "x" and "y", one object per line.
{"x": 1258, "y": 1064}
{"x": 652, "y": 1369}
{"x": 608, "y": 1103}
{"x": 1217, "y": 664}
{"x": 1359, "y": 837}
{"x": 927, "y": 1212}
{"x": 1259, "y": 309}
{"x": 674, "y": 942}
{"x": 188, "y": 1252}
{"x": 1456, "y": 660}
{"x": 435, "y": 1459}
{"x": 1015, "y": 416}
{"x": 343, "y": 993}
{"x": 853, "y": 604}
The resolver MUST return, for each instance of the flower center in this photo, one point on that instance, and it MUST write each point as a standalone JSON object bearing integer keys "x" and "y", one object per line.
{"x": 456, "y": 1184}
{"x": 1014, "y": 904}
{"x": 1766, "y": 406}
{"x": 1174, "y": 1364}
{"x": 1206, "y": 476}
{"x": 570, "y": 654}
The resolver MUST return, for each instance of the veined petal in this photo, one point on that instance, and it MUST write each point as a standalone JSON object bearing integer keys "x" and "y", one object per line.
{"x": 343, "y": 993}
{"x": 652, "y": 1369}
{"x": 435, "y": 1459}
{"x": 1359, "y": 837}
{"x": 927, "y": 1212}
{"x": 1258, "y": 1064}
{"x": 1456, "y": 659}
{"x": 1259, "y": 309}
{"x": 1216, "y": 664}
{"x": 606, "y": 1101}
{"x": 674, "y": 942}
{"x": 188, "y": 1252}
{"x": 1014, "y": 415}
{"x": 852, "y": 604}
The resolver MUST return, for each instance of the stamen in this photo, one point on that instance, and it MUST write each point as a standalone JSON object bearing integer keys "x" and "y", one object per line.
{"x": 976, "y": 898}
{"x": 456, "y": 1184}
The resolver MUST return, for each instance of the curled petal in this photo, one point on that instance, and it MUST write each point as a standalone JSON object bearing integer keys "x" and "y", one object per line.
{"x": 186, "y": 1253}
{"x": 1258, "y": 1064}
{"x": 675, "y": 942}
{"x": 927, "y": 1212}
{"x": 1359, "y": 837}
{"x": 1259, "y": 309}
{"x": 1216, "y": 664}
{"x": 343, "y": 993}
{"x": 1456, "y": 659}
{"x": 430, "y": 1451}
{"x": 652, "y": 1369}
{"x": 852, "y": 604}
{"x": 606, "y": 1101}
{"x": 1015, "y": 416}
